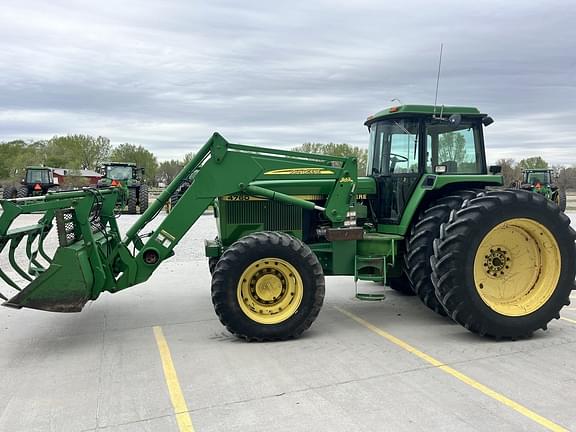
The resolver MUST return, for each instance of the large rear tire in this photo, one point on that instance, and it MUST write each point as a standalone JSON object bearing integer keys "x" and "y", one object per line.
{"x": 143, "y": 198}
{"x": 212, "y": 261}
{"x": 504, "y": 264}
{"x": 419, "y": 245}
{"x": 268, "y": 286}
{"x": 9, "y": 192}
{"x": 22, "y": 192}
{"x": 132, "y": 200}
{"x": 402, "y": 285}
{"x": 560, "y": 199}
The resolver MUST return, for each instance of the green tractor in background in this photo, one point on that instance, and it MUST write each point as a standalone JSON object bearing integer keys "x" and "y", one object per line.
{"x": 37, "y": 181}
{"x": 429, "y": 217}
{"x": 543, "y": 182}
{"x": 130, "y": 179}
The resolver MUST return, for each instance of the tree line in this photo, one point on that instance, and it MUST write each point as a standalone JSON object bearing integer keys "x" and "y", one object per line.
{"x": 77, "y": 152}
{"x": 87, "y": 152}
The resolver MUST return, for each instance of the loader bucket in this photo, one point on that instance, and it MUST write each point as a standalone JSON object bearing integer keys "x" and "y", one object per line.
{"x": 65, "y": 286}
{"x": 64, "y": 282}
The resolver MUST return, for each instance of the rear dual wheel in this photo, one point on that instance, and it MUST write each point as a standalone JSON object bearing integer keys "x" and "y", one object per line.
{"x": 22, "y": 192}
{"x": 419, "y": 245}
{"x": 560, "y": 199}
{"x": 143, "y": 198}
{"x": 503, "y": 265}
{"x": 132, "y": 200}
{"x": 9, "y": 192}
{"x": 267, "y": 286}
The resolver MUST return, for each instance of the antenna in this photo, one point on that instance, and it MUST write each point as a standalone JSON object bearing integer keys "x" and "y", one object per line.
{"x": 438, "y": 79}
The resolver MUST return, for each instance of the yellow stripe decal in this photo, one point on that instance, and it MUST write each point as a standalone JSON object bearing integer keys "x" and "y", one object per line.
{"x": 456, "y": 374}
{"x": 299, "y": 171}
{"x": 568, "y": 319}
{"x": 178, "y": 401}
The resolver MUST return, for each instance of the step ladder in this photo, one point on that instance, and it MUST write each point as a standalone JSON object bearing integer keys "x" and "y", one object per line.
{"x": 372, "y": 268}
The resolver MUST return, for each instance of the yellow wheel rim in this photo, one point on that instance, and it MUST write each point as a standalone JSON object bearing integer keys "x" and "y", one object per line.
{"x": 270, "y": 291}
{"x": 517, "y": 267}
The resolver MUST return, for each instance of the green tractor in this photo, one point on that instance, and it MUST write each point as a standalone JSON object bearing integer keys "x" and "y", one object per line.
{"x": 129, "y": 178}
{"x": 38, "y": 180}
{"x": 429, "y": 218}
{"x": 542, "y": 181}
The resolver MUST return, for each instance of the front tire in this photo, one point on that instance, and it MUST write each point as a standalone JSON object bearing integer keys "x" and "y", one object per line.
{"x": 504, "y": 264}
{"x": 268, "y": 286}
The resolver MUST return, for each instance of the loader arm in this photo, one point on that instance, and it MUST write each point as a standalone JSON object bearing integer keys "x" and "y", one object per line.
{"x": 95, "y": 260}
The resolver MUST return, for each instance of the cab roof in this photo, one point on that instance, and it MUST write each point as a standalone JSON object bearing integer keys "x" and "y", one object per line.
{"x": 403, "y": 110}
{"x": 38, "y": 167}
{"x": 130, "y": 164}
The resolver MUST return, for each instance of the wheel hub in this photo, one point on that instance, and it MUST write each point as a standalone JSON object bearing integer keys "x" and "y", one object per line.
{"x": 497, "y": 262}
{"x": 517, "y": 267}
{"x": 267, "y": 286}
{"x": 270, "y": 291}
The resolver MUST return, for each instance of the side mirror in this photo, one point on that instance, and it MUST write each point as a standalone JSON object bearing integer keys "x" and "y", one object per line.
{"x": 454, "y": 120}
{"x": 487, "y": 121}
{"x": 495, "y": 169}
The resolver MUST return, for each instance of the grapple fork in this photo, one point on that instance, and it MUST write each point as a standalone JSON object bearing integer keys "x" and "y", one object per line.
{"x": 64, "y": 282}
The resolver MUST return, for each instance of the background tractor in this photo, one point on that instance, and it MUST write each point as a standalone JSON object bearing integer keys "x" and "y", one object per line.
{"x": 130, "y": 179}
{"x": 423, "y": 220}
{"x": 543, "y": 181}
{"x": 37, "y": 181}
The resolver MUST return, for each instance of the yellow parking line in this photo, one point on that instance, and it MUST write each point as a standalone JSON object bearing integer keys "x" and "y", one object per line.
{"x": 178, "y": 401}
{"x": 548, "y": 424}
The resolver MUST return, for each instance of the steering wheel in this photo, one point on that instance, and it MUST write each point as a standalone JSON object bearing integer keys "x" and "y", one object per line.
{"x": 395, "y": 159}
{"x": 398, "y": 158}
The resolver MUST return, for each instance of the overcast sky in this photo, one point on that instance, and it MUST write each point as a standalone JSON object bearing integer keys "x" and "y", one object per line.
{"x": 167, "y": 74}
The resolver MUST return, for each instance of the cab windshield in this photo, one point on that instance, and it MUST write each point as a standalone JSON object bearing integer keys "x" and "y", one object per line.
{"x": 396, "y": 147}
{"x": 539, "y": 177}
{"x": 42, "y": 176}
{"x": 119, "y": 172}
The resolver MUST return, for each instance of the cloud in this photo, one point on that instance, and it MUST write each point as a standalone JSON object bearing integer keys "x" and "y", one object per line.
{"x": 168, "y": 74}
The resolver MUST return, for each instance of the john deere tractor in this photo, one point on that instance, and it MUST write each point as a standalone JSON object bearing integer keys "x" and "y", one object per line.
{"x": 542, "y": 181}
{"x": 37, "y": 181}
{"x": 423, "y": 219}
{"x": 129, "y": 178}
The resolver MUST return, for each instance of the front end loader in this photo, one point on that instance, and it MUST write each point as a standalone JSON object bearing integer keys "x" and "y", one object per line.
{"x": 424, "y": 220}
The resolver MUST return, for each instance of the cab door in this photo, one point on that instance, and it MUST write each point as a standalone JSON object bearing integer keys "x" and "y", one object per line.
{"x": 395, "y": 164}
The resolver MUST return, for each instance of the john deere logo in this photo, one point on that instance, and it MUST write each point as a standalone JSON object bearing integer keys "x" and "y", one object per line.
{"x": 299, "y": 171}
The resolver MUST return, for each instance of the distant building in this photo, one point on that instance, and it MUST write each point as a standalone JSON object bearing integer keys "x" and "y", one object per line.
{"x": 76, "y": 178}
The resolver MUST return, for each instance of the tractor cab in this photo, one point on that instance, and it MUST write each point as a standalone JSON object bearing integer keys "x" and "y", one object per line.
{"x": 39, "y": 176}
{"x": 119, "y": 172}
{"x": 534, "y": 177}
{"x": 37, "y": 181}
{"x": 413, "y": 146}
{"x": 129, "y": 177}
